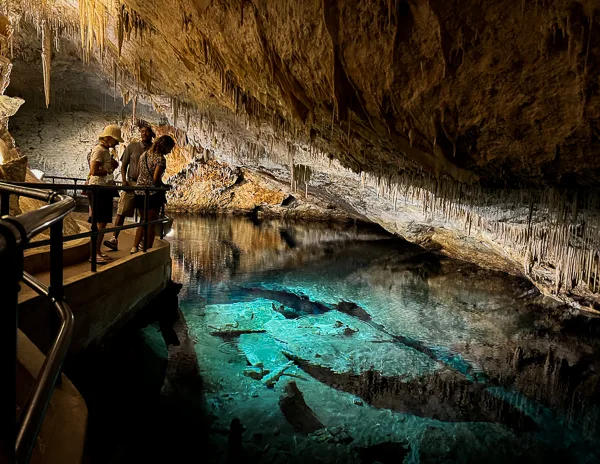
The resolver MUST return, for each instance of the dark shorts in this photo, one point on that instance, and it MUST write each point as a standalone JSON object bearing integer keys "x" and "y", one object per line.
{"x": 104, "y": 207}
{"x": 155, "y": 201}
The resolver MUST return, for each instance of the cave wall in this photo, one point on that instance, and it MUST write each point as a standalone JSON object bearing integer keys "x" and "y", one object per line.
{"x": 58, "y": 143}
{"x": 471, "y": 127}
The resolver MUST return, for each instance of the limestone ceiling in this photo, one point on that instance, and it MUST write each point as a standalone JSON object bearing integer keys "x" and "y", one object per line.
{"x": 493, "y": 91}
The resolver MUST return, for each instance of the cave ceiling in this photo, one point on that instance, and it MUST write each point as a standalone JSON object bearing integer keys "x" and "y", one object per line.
{"x": 490, "y": 92}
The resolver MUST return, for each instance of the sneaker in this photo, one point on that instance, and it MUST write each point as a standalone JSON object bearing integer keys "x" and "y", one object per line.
{"x": 113, "y": 244}
{"x": 133, "y": 250}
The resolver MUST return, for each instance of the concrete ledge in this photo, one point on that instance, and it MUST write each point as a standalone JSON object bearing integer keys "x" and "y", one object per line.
{"x": 100, "y": 300}
{"x": 38, "y": 259}
{"x": 62, "y": 435}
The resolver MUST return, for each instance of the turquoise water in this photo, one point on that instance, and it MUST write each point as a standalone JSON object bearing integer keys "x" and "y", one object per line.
{"x": 341, "y": 344}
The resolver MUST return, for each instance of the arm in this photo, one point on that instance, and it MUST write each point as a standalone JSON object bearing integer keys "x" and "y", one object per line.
{"x": 124, "y": 165}
{"x": 96, "y": 169}
{"x": 158, "y": 173}
{"x": 96, "y": 161}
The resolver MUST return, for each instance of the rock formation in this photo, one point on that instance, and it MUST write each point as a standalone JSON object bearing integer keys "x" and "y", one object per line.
{"x": 467, "y": 127}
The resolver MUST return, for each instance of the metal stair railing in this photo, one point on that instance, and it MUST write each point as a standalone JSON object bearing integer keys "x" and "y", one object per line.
{"x": 18, "y": 440}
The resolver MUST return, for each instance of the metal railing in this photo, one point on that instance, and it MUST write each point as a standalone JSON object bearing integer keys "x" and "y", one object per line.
{"x": 16, "y": 233}
{"x": 93, "y": 193}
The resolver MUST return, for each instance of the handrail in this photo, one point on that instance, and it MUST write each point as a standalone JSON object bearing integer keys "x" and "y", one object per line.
{"x": 88, "y": 187}
{"x": 34, "y": 222}
{"x": 32, "y": 415}
{"x": 21, "y": 229}
{"x": 95, "y": 189}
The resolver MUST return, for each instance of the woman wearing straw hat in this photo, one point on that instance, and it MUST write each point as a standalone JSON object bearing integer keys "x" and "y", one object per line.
{"x": 102, "y": 165}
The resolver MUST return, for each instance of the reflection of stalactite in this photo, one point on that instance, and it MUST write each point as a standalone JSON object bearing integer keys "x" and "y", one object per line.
{"x": 46, "y": 58}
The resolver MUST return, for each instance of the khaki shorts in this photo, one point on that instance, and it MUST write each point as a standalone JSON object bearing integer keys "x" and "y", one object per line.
{"x": 126, "y": 206}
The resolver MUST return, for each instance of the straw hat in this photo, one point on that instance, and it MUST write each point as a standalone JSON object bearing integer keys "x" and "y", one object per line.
{"x": 113, "y": 131}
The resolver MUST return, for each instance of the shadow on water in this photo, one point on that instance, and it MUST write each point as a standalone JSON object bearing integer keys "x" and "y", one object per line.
{"x": 456, "y": 399}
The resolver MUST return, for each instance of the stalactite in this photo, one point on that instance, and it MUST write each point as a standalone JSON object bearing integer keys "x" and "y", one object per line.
{"x": 587, "y": 51}
{"x": 46, "y": 58}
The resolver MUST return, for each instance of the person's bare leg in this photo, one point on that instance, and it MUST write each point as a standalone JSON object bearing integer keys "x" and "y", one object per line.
{"x": 139, "y": 232}
{"x": 152, "y": 215}
{"x": 119, "y": 221}
{"x": 101, "y": 226}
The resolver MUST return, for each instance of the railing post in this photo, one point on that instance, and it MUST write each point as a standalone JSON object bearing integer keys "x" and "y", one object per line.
{"x": 162, "y": 224}
{"x": 146, "y": 201}
{"x": 56, "y": 260}
{"x": 11, "y": 270}
{"x": 56, "y": 289}
{"x": 5, "y": 204}
{"x": 94, "y": 241}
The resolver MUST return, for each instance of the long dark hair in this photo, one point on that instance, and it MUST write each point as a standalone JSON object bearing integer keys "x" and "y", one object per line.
{"x": 163, "y": 145}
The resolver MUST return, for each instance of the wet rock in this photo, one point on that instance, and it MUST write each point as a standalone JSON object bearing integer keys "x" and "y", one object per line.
{"x": 273, "y": 377}
{"x": 239, "y": 318}
{"x": 285, "y": 312}
{"x": 296, "y": 411}
{"x": 255, "y": 373}
{"x": 352, "y": 309}
{"x": 321, "y": 339}
{"x": 332, "y": 435}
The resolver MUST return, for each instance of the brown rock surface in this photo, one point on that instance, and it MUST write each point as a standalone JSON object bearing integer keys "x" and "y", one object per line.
{"x": 481, "y": 120}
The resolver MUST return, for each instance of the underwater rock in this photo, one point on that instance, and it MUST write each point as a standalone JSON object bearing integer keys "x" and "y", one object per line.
{"x": 255, "y": 373}
{"x": 332, "y": 435}
{"x": 352, "y": 309}
{"x": 239, "y": 318}
{"x": 296, "y": 411}
{"x": 288, "y": 314}
{"x": 273, "y": 377}
{"x": 261, "y": 351}
{"x": 300, "y": 303}
{"x": 323, "y": 341}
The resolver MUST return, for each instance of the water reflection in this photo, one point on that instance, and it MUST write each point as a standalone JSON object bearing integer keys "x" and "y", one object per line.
{"x": 406, "y": 350}
{"x": 217, "y": 249}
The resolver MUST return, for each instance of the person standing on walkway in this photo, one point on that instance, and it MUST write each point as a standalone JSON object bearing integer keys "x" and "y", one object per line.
{"x": 129, "y": 175}
{"x": 102, "y": 166}
{"x": 151, "y": 169}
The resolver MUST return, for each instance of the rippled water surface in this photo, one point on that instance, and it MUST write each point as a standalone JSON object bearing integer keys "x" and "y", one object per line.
{"x": 340, "y": 344}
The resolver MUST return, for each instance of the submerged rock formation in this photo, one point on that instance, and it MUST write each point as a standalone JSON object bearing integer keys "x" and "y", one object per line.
{"x": 467, "y": 127}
